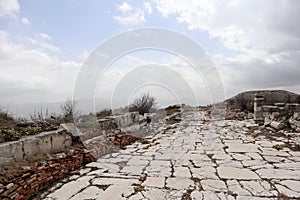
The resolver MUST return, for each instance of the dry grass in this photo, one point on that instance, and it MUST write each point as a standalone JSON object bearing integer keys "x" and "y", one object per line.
{"x": 12, "y": 129}
{"x": 172, "y": 109}
{"x": 104, "y": 113}
{"x": 6, "y": 121}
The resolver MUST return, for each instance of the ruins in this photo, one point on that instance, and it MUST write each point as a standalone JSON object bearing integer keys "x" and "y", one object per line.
{"x": 251, "y": 153}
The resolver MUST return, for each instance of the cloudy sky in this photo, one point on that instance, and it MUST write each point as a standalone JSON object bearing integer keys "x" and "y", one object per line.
{"x": 254, "y": 44}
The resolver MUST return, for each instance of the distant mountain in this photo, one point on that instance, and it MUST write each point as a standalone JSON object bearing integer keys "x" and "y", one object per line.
{"x": 244, "y": 100}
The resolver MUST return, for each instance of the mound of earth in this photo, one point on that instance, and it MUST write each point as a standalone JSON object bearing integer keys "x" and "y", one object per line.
{"x": 244, "y": 100}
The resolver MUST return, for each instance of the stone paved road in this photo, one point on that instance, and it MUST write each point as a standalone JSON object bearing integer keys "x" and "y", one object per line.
{"x": 195, "y": 159}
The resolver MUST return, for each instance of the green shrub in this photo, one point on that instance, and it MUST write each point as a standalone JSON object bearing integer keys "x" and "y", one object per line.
{"x": 10, "y": 134}
{"x": 30, "y": 130}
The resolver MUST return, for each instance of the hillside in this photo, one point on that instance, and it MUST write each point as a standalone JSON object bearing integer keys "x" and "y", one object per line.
{"x": 244, "y": 100}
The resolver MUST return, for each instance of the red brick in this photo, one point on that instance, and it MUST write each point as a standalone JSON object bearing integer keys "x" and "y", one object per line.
{"x": 13, "y": 195}
{"x": 35, "y": 186}
{"x": 26, "y": 175}
{"x": 54, "y": 165}
{"x": 20, "y": 190}
{"x": 75, "y": 172}
{"x": 31, "y": 180}
{"x": 21, "y": 197}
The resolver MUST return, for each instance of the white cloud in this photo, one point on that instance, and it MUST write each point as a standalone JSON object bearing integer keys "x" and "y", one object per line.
{"x": 124, "y": 7}
{"x": 220, "y": 19}
{"x": 131, "y": 19}
{"x": 84, "y": 55}
{"x": 9, "y": 8}
{"x": 265, "y": 35}
{"x": 236, "y": 25}
{"x": 218, "y": 58}
{"x": 148, "y": 8}
{"x": 171, "y": 73}
{"x": 44, "y": 36}
{"x": 30, "y": 75}
{"x": 25, "y": 21}
{"x": 129, "y": 16}
{"x": 42, "y": 40}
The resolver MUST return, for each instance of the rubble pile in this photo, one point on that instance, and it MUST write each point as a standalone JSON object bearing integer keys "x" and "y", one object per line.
{"x": 122, "y": 139}
{"x": 278, "y": 121}
{"x": 238, "y": 115}
{"x": 100, "y": 137}
{"x": 244, "y": 101}
{"x": 172, "y": 109}
{"x": 295, "y": 122}
{"x": 23, "y": 184}
{"x": 103, "y": 145}
{"x": 198, "y": 158}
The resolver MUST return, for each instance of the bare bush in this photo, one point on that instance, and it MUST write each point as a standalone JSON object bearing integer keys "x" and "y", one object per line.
{"x": 4, "y": 114}
{"x": 6, "y": 120}
{"x": 143, "y": 104}
{"x": 42, "y": 118}
{"x": 39, "y": 115}
{"x": 68, "y": 109}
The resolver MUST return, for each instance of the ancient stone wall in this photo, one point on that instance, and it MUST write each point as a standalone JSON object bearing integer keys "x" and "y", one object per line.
{"x": 54, "y": 141}
{"x": 43, "y": 143}
{"x": 25, "y": 184}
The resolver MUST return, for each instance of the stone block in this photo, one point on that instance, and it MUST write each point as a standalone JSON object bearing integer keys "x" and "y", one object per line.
{"x": 158, "y": 182}
{"x": 11, "y": 150}
{"x": 180, "y": 183}
{"x": 32, "y": 146}
{"x": 277, "y": 125}
{"x": 60, "y": 140}
{"x": 237, "y": 173}
{"x": 267, "y": 108}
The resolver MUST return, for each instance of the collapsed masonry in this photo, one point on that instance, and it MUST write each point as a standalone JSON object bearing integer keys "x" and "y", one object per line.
{"x": 89, "y": 130}
{"x": 271, "y": 109}
{"x": 271, "y": 114}
{"x": 244, "y": 101}
{"x": 244, "y": 162}
{"x": 65, "y": 137}
{"x": 106, "y": 138}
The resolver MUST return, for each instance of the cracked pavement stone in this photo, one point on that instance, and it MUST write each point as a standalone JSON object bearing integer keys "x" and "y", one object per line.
{"x": 179, "y": 183}
{"x": 193, "y": 159}
{"x": 158, "y": 182}
{"x": 93, "y": 191}
{"x": 237, "y": 173}
{"x": 279, "y": 174}
{"x": 214, "y": 185}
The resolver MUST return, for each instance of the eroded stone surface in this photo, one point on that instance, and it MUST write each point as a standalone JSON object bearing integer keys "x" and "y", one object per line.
{"x": 235, "y": 188}
{"x": 242, "y": 148}
{"x": 196, "y": 159}
{"x": 179, "y": 183}
{"x": 279, "y": 174}
{"x": 117, "y": 192}
{"x": 182, "y": 172}
{"x": 287, "y": 192}
{"x": 214, "y": 185}
{"x": 155, "y": 194}
{"x": 93, "y": 191}
{"x": 259, "y": 188}
{"x": 158, "y": 182}
{"x": 293, "y": 185}
{"x": 70, "y": 189}
{"x": 237, "y": 173}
